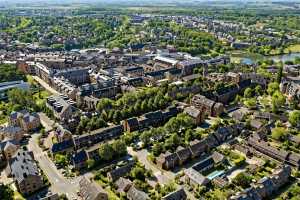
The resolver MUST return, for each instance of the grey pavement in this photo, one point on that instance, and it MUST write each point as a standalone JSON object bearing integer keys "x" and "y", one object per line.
{"x": 59, "y": 184}
{"x": 46, "y": 121}
{"x": 45, "y": 85}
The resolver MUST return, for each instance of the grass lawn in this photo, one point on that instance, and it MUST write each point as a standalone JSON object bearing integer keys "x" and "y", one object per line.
{"x": 41, "y": 96}
{"x": 18, "y": 196}
{"x": 293, "y": 49}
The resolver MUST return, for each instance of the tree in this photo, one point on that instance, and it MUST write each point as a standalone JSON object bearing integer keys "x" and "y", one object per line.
{"x": 248, "y": 93}
{"x": 279, "y": 74}
{"x": 21, "y": 97}
{"x": 294, "y": 118}
{"x": 279, "y": 133}
{"x": 157, "y": 149}
{"x": 10, "y": 73}
{"x": 243, "y": 180}
{"x": 119, "y": 147}
{"x": 90, "y": 163}
{"x": 6, "y": 193}
{"x": 272, "y": 88}
{"x": 278, "y": 100}
{"x": 138, "y": 173}
{"x": 250, "y": 103}
{"x": 258, "y": 90}
{"x": 106, "y": 152}
{"x": 188, "y": 136}
{"x": 61, "y": 159}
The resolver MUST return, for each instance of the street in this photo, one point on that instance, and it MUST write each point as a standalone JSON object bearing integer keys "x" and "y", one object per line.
{"x": 46, "y": 122}
{"x": 45, "y": 85}
{"x": 59, "y": 184}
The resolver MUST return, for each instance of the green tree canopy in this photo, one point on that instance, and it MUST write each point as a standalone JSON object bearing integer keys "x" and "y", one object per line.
{"x": 294, "y": 118}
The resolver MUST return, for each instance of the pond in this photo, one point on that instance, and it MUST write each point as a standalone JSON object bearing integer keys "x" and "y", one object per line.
{"x": 253, "y": 58}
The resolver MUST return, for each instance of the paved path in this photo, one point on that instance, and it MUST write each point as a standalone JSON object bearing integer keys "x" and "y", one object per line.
{"x": 163, "y": 177}
{"x": 59, "y": 184}
{"x": 45, "y": 85}
{"x": 46, "y": 121}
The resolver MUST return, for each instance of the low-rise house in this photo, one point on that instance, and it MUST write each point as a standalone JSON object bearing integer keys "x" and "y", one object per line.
{"x": 62, "y": 147}
{"x": 290, "y": 158}
{"x": 208, "y": 106}
{"x": 25, "y": 173}
{"x": 119, "y": 172}
{"x": 62, "y": 134}
{"x": 167, "y": 160}
{"x": 266, "y": 186}
{"x": 197, "y": 147}
{"x": 8, "y": 148}
{"x": 97, "y": 136}
{"x": 136, "y": 194}
{"x": 131, "y": 124}
{"x": 123, "y": 184}
{"x": 25, "y": 120}
{"x": 209, "y": 162}
{"x": 176, "y": 195}
{"x": 220, "y": 182}
{"x": 12, "y": 133}
{"x": 91, "y": 191}
{"x": 147, "y": 120}
{"x": 79, "y": 159}
{"x": 256, "y": 124}
{"x": 183, "y": 154}
{"x": 197, "y": 115}
{"x": 194, "y": 178}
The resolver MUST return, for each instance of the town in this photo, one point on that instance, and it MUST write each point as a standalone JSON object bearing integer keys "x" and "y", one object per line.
{"x": 149, "y": 103}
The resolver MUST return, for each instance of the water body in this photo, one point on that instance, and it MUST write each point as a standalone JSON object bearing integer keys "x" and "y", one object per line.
{"x": 254, "y": 59}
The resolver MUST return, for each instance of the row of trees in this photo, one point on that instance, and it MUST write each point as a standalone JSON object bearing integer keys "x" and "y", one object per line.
{"x": 177, "y": 131}
{"x": 109, "y": 151}
{"x": 10, "y": 73}
{"x": 87, "y": 125}
{"x": 132, "y": 104}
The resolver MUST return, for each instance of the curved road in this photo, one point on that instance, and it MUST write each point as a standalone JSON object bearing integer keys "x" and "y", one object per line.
{"x": 59, "y": 184}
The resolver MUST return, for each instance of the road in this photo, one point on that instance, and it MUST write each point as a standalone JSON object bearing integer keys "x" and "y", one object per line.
{"x": 163, "y": 177}
{"x": 46, "y": 121}
{"x": 59, "y": 184}
{"x": 45, "y": 85}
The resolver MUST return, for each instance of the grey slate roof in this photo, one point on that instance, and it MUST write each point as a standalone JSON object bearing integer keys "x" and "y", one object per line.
{"x": 23, "y": 165}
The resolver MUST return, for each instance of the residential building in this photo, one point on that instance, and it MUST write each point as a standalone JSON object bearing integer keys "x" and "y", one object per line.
{"x": 136, "y": 194}
{"x": 206, "y": 105}
{"x": 12, "y": 133}
{"x": 63, "y": 108}
{"x": 120, "y": 171}
{"x": 123, "y": 184}
{"x": 8, "y": 148}
{"x": 27, "y": 121}
{"x": 197, "y": 115}
{"x": 176, "y": 195}
{"x": 167, "y": 160}
{"x": 194, "y": 178}
{"x": 25, "y": 173}
{"x": 90, "y": 190}
{"x": 266, "y": 186}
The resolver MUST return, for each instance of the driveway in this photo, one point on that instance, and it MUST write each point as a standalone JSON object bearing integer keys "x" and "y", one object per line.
{"x": 59, "y": 184}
